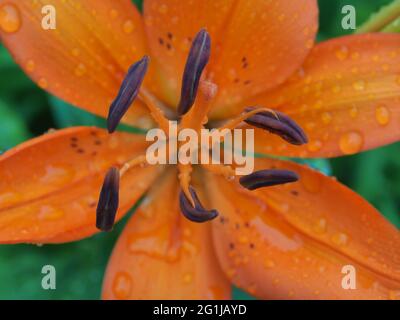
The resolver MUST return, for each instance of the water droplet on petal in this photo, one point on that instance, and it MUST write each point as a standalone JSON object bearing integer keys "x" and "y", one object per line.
{"x": 128, "y": 26}
{"x": 268, "y": 264}
{"x": 9, "y": 198}
{"x": 30, "y": 66}
{"x": 314, "y": 145}
{"x": 351, "y": 142}
{"x": 75, "y": 52}
{"x": 353, "y": 112}
{"x": 122, "y": 285}
{"x": 382, "y": 115}
{"x": 80, "y": 70}
{"x": 10, "y": 18}
{"x": 187, "y": 278}
{"x": 340, "y": 239}
{"x": 163, "y": 9}
{"x": 320, "y": 226}
{"x": 326, "y": 118}
{"x": 50, "y": 213}
{"x": 43, "y": 83}
{"x": 342, "y": 53}
{"x": 359, "y": 85}
{"x": 113, "y": 13}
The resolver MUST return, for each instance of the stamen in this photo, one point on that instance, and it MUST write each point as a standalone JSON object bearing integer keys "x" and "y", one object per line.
{"x": 108, "y": 201}
{"x": 195, "y": 213}
{"x": 138, "y": 161}
{"x": 223, "y": 170}
{"x": 127, "y": 93}
{"x": 280, "y": 124}
{"x": 197, "y": 60}
{"x": 185, "y": 172}
{"x": 267, "y": 178}
{"x": 155, "y": 111}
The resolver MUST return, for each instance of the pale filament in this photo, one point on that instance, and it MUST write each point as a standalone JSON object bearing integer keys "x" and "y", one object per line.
{"x": 223, "y": 170}
{"x": 137, "y": 161}
{"x": 235, "y": 122}
{"x": 155, "y": 111}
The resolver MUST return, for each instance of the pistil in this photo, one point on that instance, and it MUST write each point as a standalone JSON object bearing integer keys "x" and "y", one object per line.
{"x": 195, "y": 211}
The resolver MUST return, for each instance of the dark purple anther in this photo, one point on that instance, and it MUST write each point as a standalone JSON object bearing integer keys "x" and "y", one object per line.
{"x": 127, "y": 93}
{"x": 108, "y": 201}
{"x": 197, "y": 60}
{"x": 279, "y": 124}
{"x": 198, "y": 213}
{"x": 267, "y": 178}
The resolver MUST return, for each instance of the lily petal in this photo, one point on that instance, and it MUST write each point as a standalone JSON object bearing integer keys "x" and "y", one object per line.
{"x": 50, "y": 185}
{"x": 346, "y": 97}
{"x": 84, "y": 60}
{"x": 292, "y": 241}
{"x": 162, "y": 255}
{"x": 256, "y": 45}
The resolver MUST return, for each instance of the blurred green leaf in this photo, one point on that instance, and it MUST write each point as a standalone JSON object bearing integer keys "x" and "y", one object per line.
{"x": 66, "y": 115}
{"x": 375, "y": 175}
{"x": 13, "y": 129}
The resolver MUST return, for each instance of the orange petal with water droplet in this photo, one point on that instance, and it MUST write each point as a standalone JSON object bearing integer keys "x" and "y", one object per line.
{"x": 255, "y": 46}
{"x": 346, "y": 97}
{"x": 162, "y": 255}
{"x": 83, "y": 61}
{"x": 292, "y": 241}
{"x": 50, "y": 185}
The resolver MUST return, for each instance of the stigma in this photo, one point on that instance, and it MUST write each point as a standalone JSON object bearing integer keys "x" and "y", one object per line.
{"x": 196, "y": 212}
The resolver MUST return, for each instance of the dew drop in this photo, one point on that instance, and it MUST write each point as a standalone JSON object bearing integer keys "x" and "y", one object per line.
{"x": 43, "y": 83}
{"x": 382, "y": 115}
{"x": 353, "y": 112}
{"x": 80, "y": 70}
{"x": 314, "y": 145}
{"x": 268, "y": 264}
{"x": 359, "y": 85}
{"x": 163, "y": 9}
{"x": 187, "y": 278}
{"x": 30, "y": 66}
{"x": 75, "y": 52}
{"x": 10, "y": 18}
{"x": 113, "y": 13}
{"x": 326, "y": 118}
{"x": 340, "y": 239}
{"x": 122, "y": 285}
{"x": 320, "y": 226}
{"x": 128, "y": 26}
{"x": 9, "y": 198}
{"x": 50, "y": 213}
{"x": 342, "y": 53}
{"x": 351, "y": 142}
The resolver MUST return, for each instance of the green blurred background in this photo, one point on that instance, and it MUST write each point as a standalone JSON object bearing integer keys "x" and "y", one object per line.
{"x": 26, "y": 111}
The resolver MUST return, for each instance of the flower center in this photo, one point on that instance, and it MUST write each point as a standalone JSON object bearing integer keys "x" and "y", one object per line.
{"x": 195, "y": 103}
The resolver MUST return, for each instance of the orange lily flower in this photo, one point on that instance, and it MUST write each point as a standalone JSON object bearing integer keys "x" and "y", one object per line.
{"x": 283, "y": 242}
